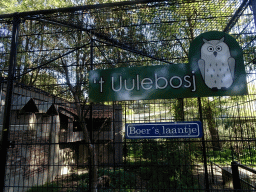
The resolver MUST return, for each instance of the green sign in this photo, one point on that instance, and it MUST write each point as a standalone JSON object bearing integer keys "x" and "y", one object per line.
{"x": 215, "y": 68}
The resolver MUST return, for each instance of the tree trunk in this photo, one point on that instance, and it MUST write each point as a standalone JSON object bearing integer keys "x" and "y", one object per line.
{"x": 81, "y": 115}
{"x": 93, "y": 169}
{"x": 179, "y": 110}
{"x": 212, "y": 127}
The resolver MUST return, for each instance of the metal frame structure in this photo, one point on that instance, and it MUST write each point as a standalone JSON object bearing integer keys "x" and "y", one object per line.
{"x": 110, "y": 47}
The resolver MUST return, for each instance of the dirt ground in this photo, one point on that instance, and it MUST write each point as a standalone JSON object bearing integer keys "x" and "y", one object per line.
{"x": 70, "y": 181}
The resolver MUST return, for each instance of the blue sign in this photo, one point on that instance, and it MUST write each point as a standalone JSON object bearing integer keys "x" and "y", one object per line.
{"x": 192, "y": 129}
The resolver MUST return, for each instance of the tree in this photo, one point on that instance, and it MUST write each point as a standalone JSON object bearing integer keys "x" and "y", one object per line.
{"x": 11, "y": 6}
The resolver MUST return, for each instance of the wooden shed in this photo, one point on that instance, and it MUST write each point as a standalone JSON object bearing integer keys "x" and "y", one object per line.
{"x": 47, "y": 141}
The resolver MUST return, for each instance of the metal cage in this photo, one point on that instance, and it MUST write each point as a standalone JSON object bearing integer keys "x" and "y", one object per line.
{"x": 54, "y": 139}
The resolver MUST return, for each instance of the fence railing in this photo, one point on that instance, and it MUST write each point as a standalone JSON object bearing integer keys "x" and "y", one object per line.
{"x": 237, "y": 180}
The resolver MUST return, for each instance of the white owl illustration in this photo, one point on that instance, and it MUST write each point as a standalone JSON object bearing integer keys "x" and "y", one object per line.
{"x": 216, "y": 64}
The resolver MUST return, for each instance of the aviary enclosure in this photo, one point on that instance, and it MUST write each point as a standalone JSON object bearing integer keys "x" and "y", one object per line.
{"x": 53, "y": 138}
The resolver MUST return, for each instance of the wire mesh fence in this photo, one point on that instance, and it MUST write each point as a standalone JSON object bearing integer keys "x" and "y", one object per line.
{"x": 56, "y": 140}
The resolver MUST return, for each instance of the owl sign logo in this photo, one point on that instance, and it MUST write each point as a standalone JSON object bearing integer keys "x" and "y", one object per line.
{"x": 216, "y": 64}
{"x": 218, "y": 58}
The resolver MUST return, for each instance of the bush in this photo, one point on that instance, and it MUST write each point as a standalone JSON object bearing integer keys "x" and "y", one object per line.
{"x": 120, "y": 180}
{"x": 48, "y": 187}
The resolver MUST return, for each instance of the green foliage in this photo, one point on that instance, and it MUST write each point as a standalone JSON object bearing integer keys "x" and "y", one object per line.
{"x": 12, "y": 6}
{"x": 223, "y": 157}
{"x": 163, "y": 164}
{"x": 246, "y": 156}
{"x": 119, "y": 179}
{"x": 166, "y": 177}
{"x": 48, "y": 187}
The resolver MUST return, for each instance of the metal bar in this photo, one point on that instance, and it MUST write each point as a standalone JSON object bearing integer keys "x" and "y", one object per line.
{"x": 1, "y": 91}
{"x": 104, "y": 39}
{"x": 206, "y": 177}
{"x": 92, "y": 44}
{"x": 91, "y": 158}
{"x": 8, "y": 100}
{"x": 235, "y": 173}
{"x": 81, "y": 8}
{"x": 116, "y": 43}
{"x": 54, "y": 59}
{"x": 114, "y": 131}
{"x": 243, "y": 181}
{"x": 247, "y": 168}
{"x": 253, "y": 4}
{"x": 236, "y": 16}
{"x": 212, "y": 172}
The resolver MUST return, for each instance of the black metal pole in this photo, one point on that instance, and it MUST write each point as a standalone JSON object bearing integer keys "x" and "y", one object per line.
{"x": 204, "y": 148}
{"x": 5, "y": 143}
{"x": 235, "y": 173}
{"x": 253, "y": 4}
{"x": 114, "y": 131}
{"x": 91, "y": 160}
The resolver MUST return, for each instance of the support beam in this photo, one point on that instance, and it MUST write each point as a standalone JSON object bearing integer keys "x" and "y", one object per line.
{"x": 253, "y": 4}
{"x": 5, "y": 143}
{"x": 206, "y": 176}
{"x": 236, "y": 16}
{"x": 87, "y": 7}
{"x": 103, "y": 38}
{"x": 52, "y": 60}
